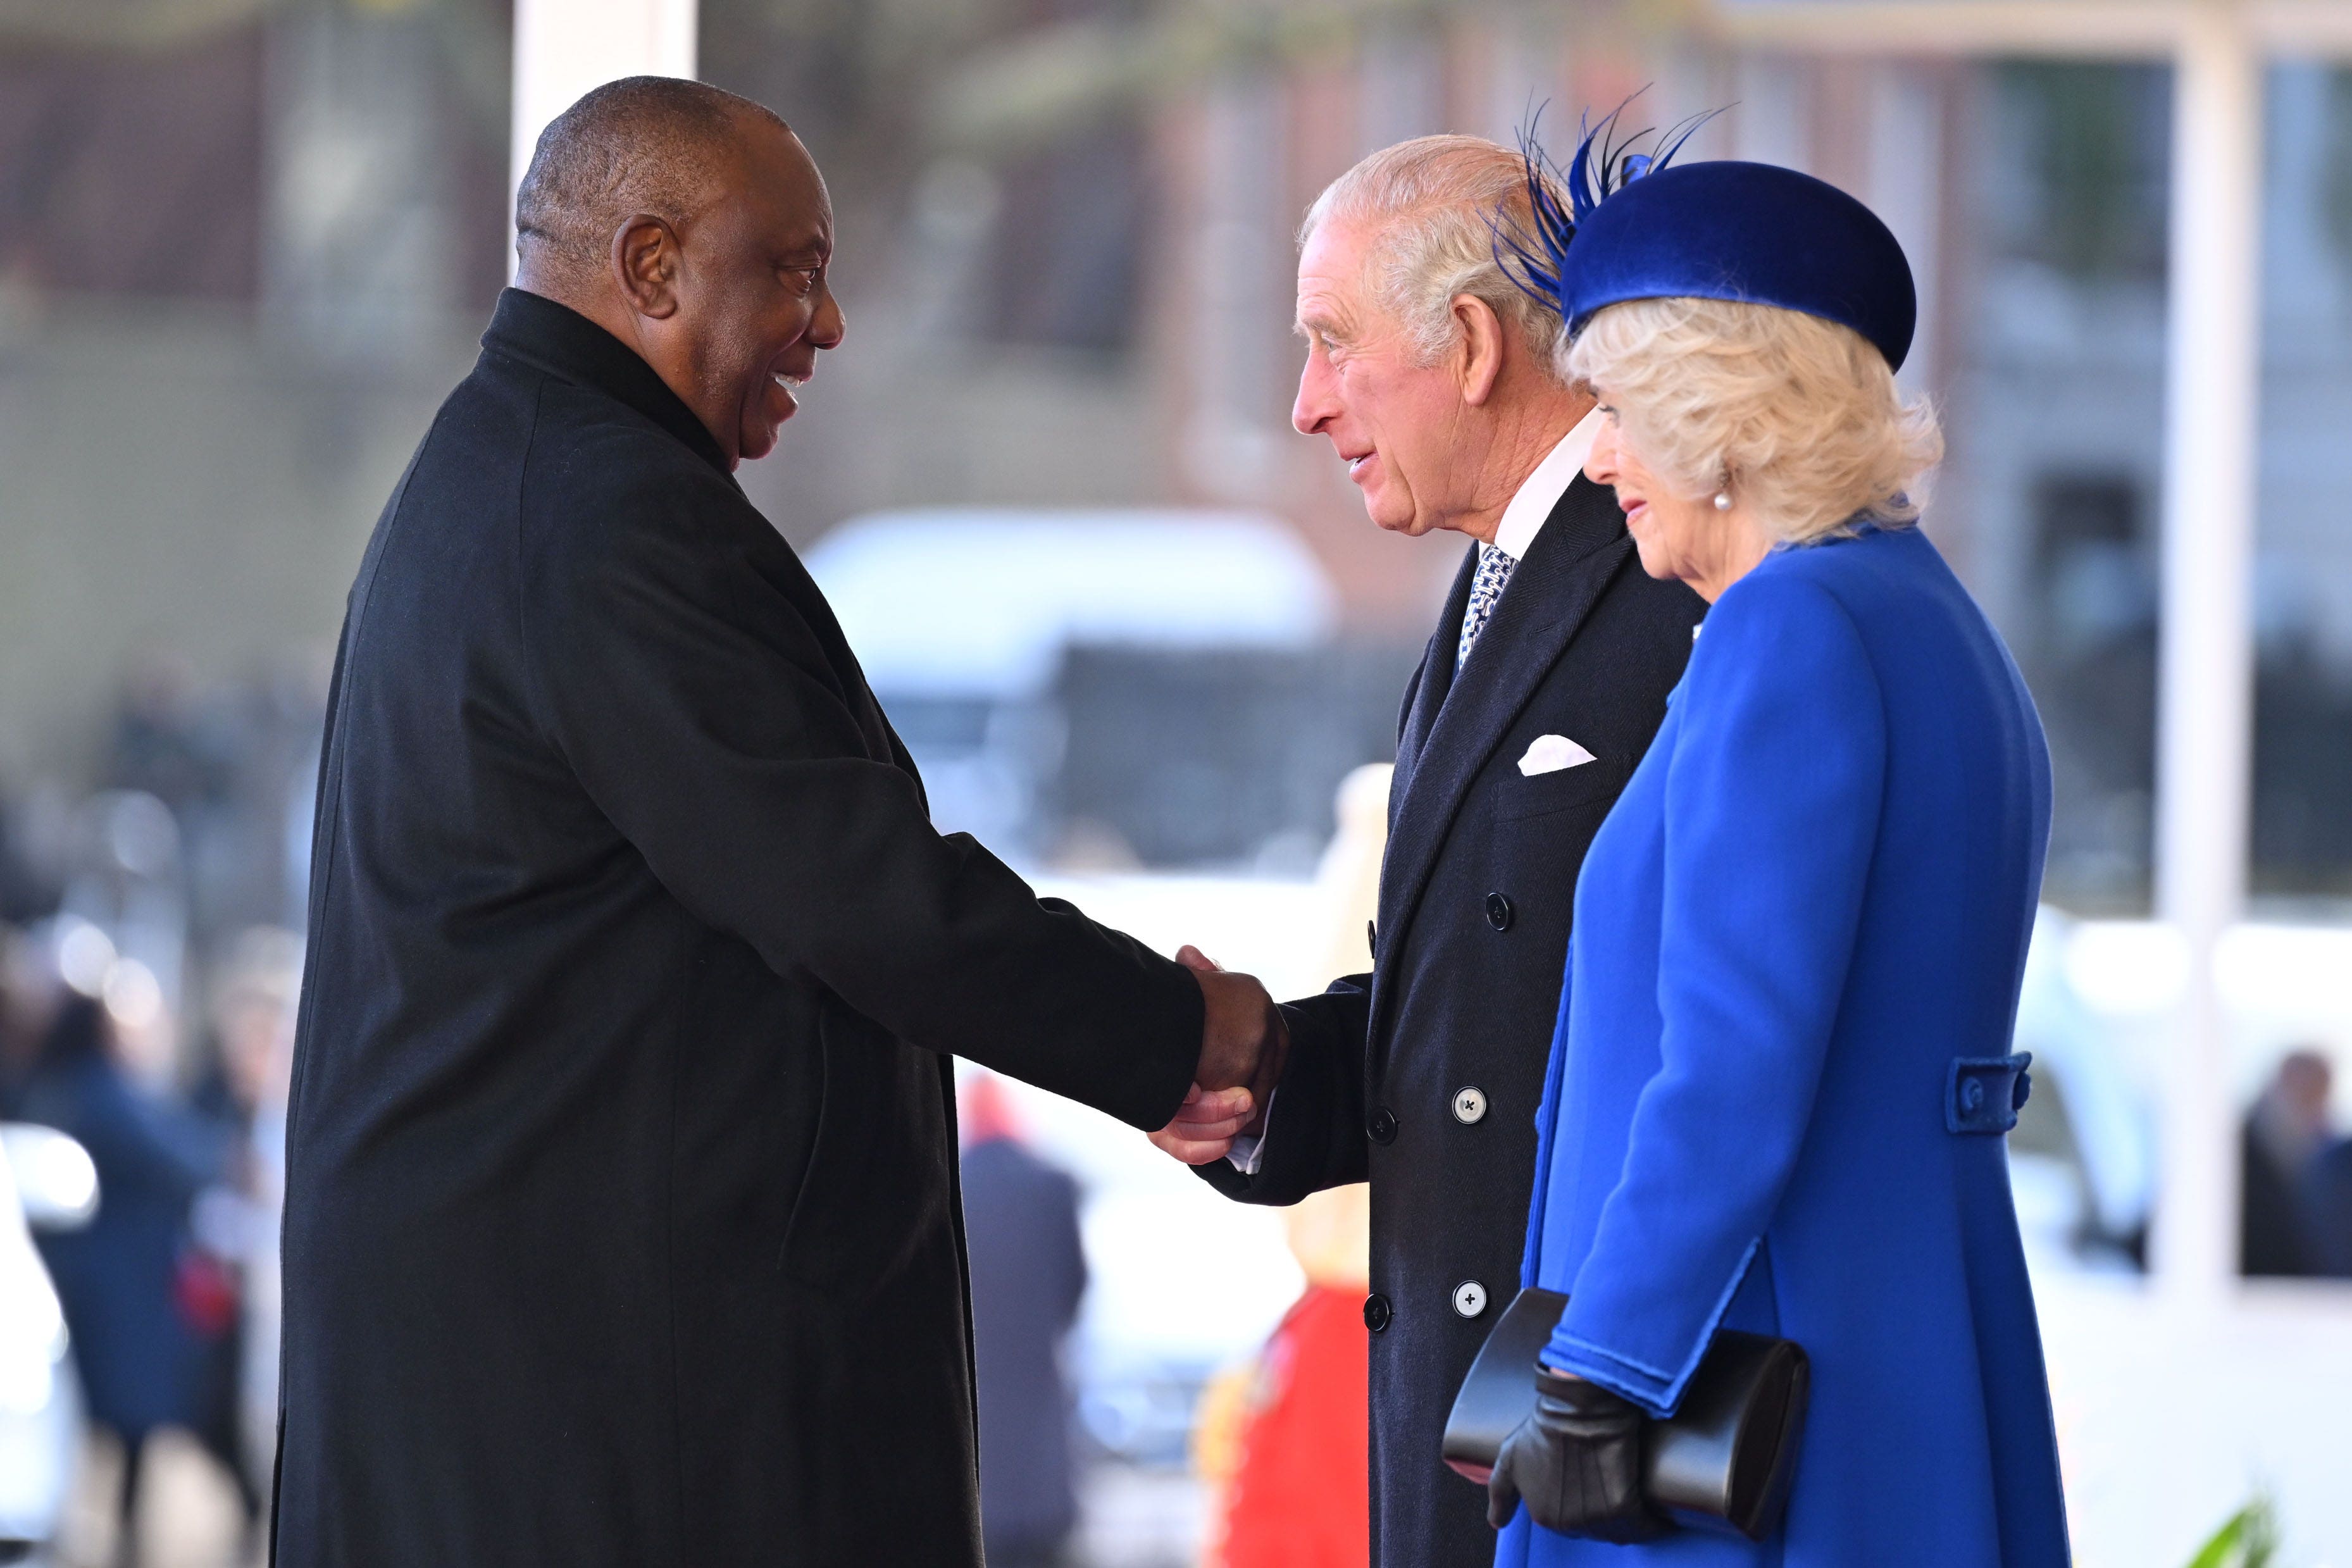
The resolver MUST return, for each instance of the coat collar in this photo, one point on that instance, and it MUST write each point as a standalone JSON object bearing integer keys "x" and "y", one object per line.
{"x": 564, "y": 343}
{"x": 1454, "y": 725}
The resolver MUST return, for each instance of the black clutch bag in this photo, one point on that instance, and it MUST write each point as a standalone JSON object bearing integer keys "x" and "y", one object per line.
{"x": 1721, "y": 1462}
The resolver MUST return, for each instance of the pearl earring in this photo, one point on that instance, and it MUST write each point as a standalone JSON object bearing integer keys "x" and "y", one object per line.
{"x": 1723, "y": 500}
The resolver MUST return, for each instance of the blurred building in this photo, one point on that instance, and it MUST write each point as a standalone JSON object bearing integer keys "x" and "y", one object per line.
{"x": 243, "y": 250}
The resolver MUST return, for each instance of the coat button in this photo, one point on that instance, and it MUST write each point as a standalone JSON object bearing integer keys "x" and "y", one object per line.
{"x": 1383, "y": 1127}
{"x": 1376, "y": 1312}
{"x": 1470, "y": 1105}
{"x": 1469, "y": 1297}
{"x": 1372, "y": 937}
{"x": 1498, "y": 911}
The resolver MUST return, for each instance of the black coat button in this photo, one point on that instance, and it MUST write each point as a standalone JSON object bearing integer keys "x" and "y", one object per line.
{"x": 1372, "y": 937}
{"x": 1376, "y": 1312}
{"x": 1498, "y": 911}
{"x": 1383, "y": 1126}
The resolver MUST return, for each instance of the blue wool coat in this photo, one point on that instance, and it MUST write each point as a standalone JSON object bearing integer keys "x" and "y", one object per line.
{"x": 1810, "y": 902}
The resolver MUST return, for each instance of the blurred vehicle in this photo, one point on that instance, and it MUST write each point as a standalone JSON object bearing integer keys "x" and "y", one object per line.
{"x": 2082, "y": 1158}
{"x": 2096, "y": 1012}
{"x": 1155, "y": 1330}
{"x": 47, "y": 1181}
{"x": 1116, "y": 686}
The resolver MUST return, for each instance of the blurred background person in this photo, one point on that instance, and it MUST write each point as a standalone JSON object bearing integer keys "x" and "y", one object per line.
{"x": 1028, "y": 1276}
{"x": 30, "y": 994}
{"x": 2284, "y": 1133}
{"x": 1284, "y": 1440}
{"x": 253, "y": 993}
{"x": 142, "y": 1311}
{"x": 2329, "y": 1206}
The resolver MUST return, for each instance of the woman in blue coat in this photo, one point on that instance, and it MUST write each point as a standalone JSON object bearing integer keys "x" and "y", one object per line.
{"x": 1782, "y": 1068}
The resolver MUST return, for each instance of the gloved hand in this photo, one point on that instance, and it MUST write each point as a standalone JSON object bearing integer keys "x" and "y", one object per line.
{"x": 1577, "y": 1461}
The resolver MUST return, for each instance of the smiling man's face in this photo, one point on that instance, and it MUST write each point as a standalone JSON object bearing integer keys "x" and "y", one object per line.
{"x": 754, "y": 293}
{"x": 1395, "y": 423}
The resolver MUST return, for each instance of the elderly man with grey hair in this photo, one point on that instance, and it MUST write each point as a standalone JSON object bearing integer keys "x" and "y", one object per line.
{"x": 1439, "y": 384}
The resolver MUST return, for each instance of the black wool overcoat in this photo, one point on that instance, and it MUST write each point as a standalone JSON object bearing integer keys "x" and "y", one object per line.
{"x": 621, "y": 1224}
{"x": 1424, "y": 1076}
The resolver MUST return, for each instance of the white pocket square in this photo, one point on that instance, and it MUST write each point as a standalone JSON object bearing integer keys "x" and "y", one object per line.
{"x": 1551, "y": 753}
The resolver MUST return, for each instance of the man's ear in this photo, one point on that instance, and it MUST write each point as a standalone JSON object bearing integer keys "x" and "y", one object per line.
{"x": 645, "y": 266}
{"x": 1479, "y": 349}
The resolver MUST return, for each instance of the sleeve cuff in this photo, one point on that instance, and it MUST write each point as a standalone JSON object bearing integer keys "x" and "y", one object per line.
{"x": 1656, "y": 1389}
{"x": 1248, "y": 1152}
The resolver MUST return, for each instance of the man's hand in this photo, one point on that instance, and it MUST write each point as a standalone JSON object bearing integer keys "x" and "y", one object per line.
{"x": 1206, "y": 1125}
{"x": 1243, "y": 1047}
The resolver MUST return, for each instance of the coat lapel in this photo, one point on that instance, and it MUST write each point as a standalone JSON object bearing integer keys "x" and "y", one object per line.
{"x": 1582, "y": 545}
{"x": 1431, "y": 683}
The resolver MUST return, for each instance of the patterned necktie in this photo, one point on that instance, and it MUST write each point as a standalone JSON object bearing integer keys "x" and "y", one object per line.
{"x": 1486, "y": 592}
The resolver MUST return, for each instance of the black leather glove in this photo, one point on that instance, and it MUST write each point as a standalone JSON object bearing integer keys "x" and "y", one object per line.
{"x": 1577, "y": 1461}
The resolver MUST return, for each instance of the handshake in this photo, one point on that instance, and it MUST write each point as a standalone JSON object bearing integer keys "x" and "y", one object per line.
{"x": 1243, "y": 1047}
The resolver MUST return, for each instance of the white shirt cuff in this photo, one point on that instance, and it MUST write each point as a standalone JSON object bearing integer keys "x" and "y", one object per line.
{"x": 1249, "y": 1149}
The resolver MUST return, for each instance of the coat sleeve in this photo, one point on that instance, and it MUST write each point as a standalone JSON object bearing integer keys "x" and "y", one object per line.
{"x": 1772, "y": 807}
{"x": 681, "y": 677}
{"x": 1314, "y": 1132}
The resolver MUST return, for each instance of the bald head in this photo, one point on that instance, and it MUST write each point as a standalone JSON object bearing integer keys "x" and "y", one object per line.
{"x": 694, "y": 226}
{"x": 650, "y": 146}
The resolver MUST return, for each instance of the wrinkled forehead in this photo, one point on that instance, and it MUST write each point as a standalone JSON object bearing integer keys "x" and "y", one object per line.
{"x": 1333, "y": 274}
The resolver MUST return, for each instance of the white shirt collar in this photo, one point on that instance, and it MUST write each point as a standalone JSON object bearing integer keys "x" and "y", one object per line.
{"x": 1524, "y": 518}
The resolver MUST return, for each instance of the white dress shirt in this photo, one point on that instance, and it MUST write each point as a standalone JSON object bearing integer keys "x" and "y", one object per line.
{"x": 1541, "y": 491}
{"x": 1538, "y": 495}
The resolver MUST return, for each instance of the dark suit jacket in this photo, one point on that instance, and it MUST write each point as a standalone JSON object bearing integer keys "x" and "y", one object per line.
{"x": 622, "y": 1224}
{"x": 1471, "y": 946}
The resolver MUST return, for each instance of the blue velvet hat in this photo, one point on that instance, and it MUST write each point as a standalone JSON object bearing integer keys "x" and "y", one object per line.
{"x": 1727, "y": 230}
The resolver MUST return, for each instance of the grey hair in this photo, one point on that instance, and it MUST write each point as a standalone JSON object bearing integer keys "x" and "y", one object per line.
{"x": 1432, "y": 203}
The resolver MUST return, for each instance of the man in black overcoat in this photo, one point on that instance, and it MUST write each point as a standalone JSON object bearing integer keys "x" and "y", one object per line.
{"x": 621, "y": 1222}
{"x": 1435, "y": 379}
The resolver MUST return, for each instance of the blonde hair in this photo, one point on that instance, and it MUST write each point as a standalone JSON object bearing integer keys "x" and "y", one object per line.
{"x": 1798, "y": 414}
{"x": 1432, "y": 203}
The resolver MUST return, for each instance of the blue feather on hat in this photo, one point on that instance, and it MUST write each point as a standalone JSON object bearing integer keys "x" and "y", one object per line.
{"x": 1633, "y": 228}
{"x": 1603, "y": 165}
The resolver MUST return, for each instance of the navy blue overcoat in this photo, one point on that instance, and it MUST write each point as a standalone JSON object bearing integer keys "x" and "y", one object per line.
{"x": 1798, "y": 944}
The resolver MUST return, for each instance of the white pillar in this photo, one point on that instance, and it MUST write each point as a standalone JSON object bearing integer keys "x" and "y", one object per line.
{"x": 563, "y": 48}
{"x": 2205, "y": 678}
